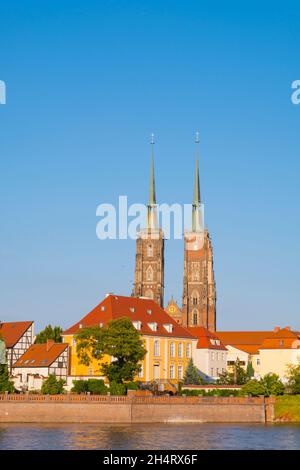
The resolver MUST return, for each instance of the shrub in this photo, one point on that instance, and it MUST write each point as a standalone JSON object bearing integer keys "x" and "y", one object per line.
{"x": 53, "y": 386}
{"x": 97, "y": 387}
{"x": 253, "y": 388}
{"x": 294, "y": 379}
{"x": 80, "y": 386}
{"x": 116, "y": 388}
{"x": 133, "y": 386}
{"x": 268, "y": 385}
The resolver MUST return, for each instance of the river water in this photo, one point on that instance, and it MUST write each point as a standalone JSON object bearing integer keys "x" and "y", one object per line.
{"x": 150, "y": 436}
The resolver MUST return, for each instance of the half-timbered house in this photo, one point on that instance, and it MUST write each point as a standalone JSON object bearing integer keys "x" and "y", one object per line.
{"x": 18, "y": 337}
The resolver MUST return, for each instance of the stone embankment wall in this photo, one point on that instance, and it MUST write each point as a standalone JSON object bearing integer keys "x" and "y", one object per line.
{"x": 105, "y": 409}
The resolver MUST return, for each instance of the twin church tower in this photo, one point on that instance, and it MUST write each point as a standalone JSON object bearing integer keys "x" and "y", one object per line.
{"x": 199, "y": 289}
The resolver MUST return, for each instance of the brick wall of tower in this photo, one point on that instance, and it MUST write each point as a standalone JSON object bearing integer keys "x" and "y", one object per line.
{"x": 149, "y": 267}
{"x": 199, "y": 291}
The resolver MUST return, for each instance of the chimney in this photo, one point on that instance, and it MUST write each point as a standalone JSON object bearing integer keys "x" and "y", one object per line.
{"x": 276, "y": 329}
{"x": 287, "y": 328}
{"x": 49, "y": 344}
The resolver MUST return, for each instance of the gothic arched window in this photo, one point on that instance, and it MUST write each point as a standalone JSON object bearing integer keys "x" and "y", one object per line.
{"x": 150, "y": 251}
{"x": 149, "y": 274}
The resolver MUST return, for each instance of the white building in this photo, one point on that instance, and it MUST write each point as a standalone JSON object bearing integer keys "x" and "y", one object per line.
{"x": 210, "y": 356}
{"x": 38, "y": 362}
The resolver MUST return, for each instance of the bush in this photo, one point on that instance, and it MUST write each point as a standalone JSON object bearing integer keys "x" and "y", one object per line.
{"x": 133, "y": 386}
{"x": 80, "y": 386}
{"x": 53, "y": 386}
{"x": 268, "y": 385}
{"x": 116, "y": 388}
{"x": 294, "y": 379}
{"x": 210, "y": 393}
{"x": 253, "y": 388}
{"x": 97, "y": 387}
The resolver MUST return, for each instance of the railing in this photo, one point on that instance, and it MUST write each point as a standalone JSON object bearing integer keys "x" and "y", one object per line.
{"x": 72, "y": 398}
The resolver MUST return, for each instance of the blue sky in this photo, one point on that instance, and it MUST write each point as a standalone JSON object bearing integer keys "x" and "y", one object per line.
{"x": 87, "y": 83}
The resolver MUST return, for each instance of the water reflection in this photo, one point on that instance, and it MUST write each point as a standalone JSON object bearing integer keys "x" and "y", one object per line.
{"x": 150, "y": 436}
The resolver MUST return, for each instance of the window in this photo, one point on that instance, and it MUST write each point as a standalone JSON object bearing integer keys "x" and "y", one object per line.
{"x": 103, "y": 308}
{"x": 150, "y": 251}
{"x": 156, "y": 348}
{"x": 132, "y": 309}
{"x": 212, "y": 356}
{"x": 217, "y": 371}
{"x": 188, "y": 350}
{"x": 172, "y": 372}
{"x": 195, "y": 300}
{"x": 179, "y": 349}
{"x": 172, "y": 349}
{"x": 195, "y": 317}
{"x": 91, "y": 371}
{"x": 101, "y": 325}
{"x": 212, "y": 371}
{"x": 258, "y": 361}
{"x": 168, "y": 327}
{"x": 60, "y": 364}
{"x": 149, "y": 311}
{"x": 230, "y": 363}
{"x": 141, "y": 372}
{"x": 217, "y": 356}
{"x": 149, "y": 274}
{"x": 73, "y": 342}
{"x": 179, "y": 372}
{"x": 153, "y": 326}
{"x": 137, "y": 324}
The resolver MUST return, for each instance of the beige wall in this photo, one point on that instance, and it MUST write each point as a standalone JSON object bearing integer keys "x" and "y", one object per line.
{"x": 211, "y": 363}
{"x": 277, "y": 360}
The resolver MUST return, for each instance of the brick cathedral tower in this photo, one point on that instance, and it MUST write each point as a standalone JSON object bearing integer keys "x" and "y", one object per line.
{"x": 149, "y": 261}
{"x": 199, "y": 289}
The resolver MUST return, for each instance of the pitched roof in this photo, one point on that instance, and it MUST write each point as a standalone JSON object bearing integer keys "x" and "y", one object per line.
{"x": 137, "y": 309}
{"x": 252, "y": 341}
{"x": 11, "y": 332}
{"x": 206, "y": 339}
{"x": 41, "y": 355}
{"x": 282, "y": 339}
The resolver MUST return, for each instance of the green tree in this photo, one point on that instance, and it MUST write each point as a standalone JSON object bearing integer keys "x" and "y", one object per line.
{"x": 6, "y": 385}
{"x": 119, "y": 339}
{"x": 192, "y": 375}
{"x": 250, "y": 370}
{"x": 117, "y": 388}
{"x": 237, "y": 376}
{"x": 49, "y": 333}
{"x": 293, "y": 374}
{"x": 80, "y": 386}
{"x": 53, "y": 386}
{"x": 254, "y": 388}
{"x": 268, "y": 385}
{"x": 272, "y": 385}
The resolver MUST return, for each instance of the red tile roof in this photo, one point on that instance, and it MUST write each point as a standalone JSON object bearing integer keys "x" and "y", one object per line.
{"x": 11, "y": 332}
{"x": 206, "y": 339}
{"x": 41, "y": 355}
{"x": 137, "y": 309}
{"x": 252, "y": 341}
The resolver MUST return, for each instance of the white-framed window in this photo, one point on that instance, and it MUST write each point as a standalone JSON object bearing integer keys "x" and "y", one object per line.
{"x": 141, "y": 371}
{"x": 188, "y": 349}
{"x": 212, "y": 356}
{"x": 172, "y": 349}
{"x": 217, "y": 356}
{"x": 180, "y": 350}
{"x": 172, "y": 371}
{"x": 137, "y": 324}
{"x": 156, "y": 348}
{"x": 212, "y": 371}
{"x": 180, "y": 375}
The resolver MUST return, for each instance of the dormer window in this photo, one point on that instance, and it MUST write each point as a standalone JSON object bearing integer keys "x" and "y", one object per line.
{"x": 153, "y": 326}
{"x": 80, "y": 325}
{"x": 213, "y": 342}
{"x": 132, "y": 309}
{"x": 217, "y": 342}
{"x": 101, "y": 325}
{"x": 168, "y": 327}
{"x": 137, "y": 324}
{"x": 149, "y": 311}
{"x": 103, "y": 308}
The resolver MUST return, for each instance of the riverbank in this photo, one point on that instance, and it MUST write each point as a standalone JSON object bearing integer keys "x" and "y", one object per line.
{"x": 287, "y": 409}
{"x": 128, "y": 410}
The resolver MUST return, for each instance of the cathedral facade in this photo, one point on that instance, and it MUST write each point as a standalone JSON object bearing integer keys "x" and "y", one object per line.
{"x": 199, "y": 289}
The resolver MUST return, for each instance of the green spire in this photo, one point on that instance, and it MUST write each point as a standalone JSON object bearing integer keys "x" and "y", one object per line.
{"x": 197, "y": 198}
{"x": 152, "y": 198}
{"x": 152, "y": 212}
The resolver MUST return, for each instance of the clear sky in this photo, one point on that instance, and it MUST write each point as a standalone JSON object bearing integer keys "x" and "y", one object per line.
{"x": 87, "y": 82}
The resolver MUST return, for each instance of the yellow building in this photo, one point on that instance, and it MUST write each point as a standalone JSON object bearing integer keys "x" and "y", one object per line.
{"x": 169, "y": 346}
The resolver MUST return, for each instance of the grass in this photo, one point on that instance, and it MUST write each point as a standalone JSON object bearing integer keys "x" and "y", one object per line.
{"x": 287, "y": 408}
